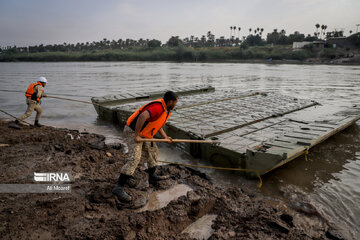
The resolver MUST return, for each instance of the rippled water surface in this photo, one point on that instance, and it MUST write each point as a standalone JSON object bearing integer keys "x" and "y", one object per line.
{"x": 330, "y": 178}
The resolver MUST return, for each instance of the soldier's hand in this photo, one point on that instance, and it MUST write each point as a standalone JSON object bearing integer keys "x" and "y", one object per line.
{"x": 169, "y": 138}
{"x": 137, "y": 139}
{"x": 44, "y": 95}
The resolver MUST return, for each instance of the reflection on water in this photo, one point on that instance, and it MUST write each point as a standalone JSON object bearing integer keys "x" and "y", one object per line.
{"x": 331, "y": 175}
{"x": 201, "y": 228}
{"x": 162, "y": 198}
{"x": 344, "y": 197}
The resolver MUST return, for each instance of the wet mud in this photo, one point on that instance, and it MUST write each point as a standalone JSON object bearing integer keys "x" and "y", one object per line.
{"x": 168, "y": 209}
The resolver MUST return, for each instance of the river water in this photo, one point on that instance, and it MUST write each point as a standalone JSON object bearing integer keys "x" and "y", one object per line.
{"x": 330, "y": 178}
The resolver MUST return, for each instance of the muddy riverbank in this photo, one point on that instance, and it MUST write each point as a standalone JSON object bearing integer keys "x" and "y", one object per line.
{"x": 91, "y": 211}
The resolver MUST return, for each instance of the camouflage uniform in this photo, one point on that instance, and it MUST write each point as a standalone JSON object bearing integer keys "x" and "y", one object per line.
{"x": 150, "y": 150}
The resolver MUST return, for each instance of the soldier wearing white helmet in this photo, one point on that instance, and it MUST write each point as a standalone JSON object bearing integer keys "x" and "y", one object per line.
{"x": 33, "y": 94}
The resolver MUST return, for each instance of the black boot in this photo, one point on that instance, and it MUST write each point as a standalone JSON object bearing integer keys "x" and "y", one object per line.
{"x": 15, "y": 124}
{"x": 131, "y": 182}
{"x": 153, "y": 177}
{"x": 37, "y": 124}
{"x": 119, "y": 191}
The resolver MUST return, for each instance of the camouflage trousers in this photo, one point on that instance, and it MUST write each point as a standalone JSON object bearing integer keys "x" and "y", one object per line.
{"x": 149, "y": 149}
{"x": 32, "y": 106}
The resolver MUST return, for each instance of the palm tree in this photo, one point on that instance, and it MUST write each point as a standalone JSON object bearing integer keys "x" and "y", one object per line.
{"x": 317, "y": 28}
{"x": 231, "y": 31}
{"x": 239, "y": 32}
{"x": 350, "y": 32}
{"x": 323, "y": 30}
{"x": 250, "y": 31}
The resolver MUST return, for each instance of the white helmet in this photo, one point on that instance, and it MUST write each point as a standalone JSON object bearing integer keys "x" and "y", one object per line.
{"x": 42, "y": 79}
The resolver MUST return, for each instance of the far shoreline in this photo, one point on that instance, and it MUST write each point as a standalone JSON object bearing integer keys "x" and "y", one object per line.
{"x": 254, "y": 54}
{"x": 252, "y": 61}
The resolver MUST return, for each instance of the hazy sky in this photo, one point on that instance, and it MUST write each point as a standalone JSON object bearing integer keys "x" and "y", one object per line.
{"x": 29, "y": 22}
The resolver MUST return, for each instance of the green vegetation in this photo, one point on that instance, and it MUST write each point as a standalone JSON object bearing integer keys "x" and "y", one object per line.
{"x": 178, "y": 53}
{"x": 276, "y": 46}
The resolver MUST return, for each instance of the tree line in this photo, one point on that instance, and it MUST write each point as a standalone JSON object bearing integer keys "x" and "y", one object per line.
{"x": 254, "y": 37}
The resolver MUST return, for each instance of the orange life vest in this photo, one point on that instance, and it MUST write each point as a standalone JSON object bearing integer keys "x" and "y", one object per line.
{"x": 31, "y": 94}
{"x": 150, "y": 128}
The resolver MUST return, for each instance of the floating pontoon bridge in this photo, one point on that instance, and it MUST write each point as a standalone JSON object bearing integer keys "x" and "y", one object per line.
{"x": 255, "y": 130}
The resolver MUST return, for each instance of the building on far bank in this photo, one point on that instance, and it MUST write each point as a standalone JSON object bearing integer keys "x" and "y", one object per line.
{"x": 342, "y": 42}
{"x": 350, "y": 42}
{"x": 316, "y": 44}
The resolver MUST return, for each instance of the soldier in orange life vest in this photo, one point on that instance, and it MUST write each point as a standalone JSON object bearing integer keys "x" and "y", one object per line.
{"x": 144, "y": 123}
{"x": 33, "y": 95}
